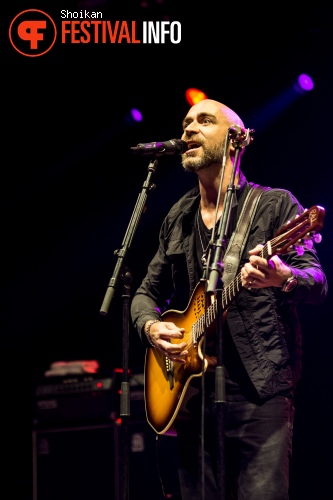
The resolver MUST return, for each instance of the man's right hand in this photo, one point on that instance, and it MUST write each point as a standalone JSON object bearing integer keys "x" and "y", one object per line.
{"x": 161, "y": 335}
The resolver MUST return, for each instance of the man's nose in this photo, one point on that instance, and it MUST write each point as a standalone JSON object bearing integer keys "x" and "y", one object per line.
{"x": 191, "y": 128}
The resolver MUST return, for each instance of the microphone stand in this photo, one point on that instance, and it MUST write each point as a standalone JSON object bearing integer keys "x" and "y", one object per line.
{"x": 215, "y": 286}
{"x": 122, "y": 273}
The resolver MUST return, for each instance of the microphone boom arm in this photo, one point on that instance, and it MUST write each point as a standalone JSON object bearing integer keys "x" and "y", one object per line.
{"x": 128, "y": 238}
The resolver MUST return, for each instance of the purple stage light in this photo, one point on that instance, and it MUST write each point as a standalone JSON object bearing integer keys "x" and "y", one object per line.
{"x": 304, "y": 84}
{"x": 136, "y": 115}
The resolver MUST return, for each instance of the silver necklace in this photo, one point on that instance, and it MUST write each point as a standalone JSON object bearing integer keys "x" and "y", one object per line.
{"x": 204, "y": 250}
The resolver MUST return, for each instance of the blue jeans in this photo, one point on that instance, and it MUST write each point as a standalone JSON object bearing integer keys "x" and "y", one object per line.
{"x": 257, "y": 450}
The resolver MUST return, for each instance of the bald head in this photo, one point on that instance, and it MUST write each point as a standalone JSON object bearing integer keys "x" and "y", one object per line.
{"x": 228, "y": 116}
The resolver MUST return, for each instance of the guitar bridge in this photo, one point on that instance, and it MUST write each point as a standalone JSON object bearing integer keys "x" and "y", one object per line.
{"x": 169, "y": 370}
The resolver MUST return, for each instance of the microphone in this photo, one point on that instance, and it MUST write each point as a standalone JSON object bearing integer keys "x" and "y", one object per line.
{"x": 172, "y": 147}
{"x": 243, "y": 136}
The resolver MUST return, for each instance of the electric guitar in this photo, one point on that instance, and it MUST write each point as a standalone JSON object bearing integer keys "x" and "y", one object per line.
{"x": 165, "y": 382}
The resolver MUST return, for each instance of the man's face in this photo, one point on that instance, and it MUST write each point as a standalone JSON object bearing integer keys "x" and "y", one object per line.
{"x": 204, "y": 129}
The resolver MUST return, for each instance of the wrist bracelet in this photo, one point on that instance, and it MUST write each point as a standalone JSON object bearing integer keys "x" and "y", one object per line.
{"x": 147, "y": 331}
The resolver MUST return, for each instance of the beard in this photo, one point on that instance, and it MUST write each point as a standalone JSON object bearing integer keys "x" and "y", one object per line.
{"x": 211, "y": 155}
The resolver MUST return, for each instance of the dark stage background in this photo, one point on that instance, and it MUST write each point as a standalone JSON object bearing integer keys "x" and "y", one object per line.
{"x": 70, "y": 185}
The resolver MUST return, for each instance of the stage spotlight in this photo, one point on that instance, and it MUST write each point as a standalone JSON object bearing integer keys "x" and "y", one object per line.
{"x": 133, "y": 116}
{"x": 195, "y": 95}
{"x": 136, "y": 115}
{"x": 303, "y": 84}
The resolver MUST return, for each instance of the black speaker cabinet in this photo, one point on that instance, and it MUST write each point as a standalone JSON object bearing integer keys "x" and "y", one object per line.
{"x": 85, "y": 462}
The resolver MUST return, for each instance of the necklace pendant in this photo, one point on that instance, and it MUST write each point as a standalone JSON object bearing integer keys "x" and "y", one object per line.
{"x": 204, "y": 259}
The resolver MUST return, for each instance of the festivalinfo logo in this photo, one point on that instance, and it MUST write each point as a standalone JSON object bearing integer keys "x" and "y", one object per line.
{"x": 33, "y": 32}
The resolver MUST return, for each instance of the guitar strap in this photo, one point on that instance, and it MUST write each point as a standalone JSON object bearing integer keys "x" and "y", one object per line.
{"x": 239, "y": 236}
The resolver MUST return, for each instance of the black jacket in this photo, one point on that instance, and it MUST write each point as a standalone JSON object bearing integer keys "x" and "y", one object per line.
{"x": 263, "y": 323}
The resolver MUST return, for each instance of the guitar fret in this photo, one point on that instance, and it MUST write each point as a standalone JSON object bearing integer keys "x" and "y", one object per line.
{"x": 208, "y": 316}
{"x": 223, "y": 300}
{"x": 201, "y": 327}
{"x": 196, "y": 332}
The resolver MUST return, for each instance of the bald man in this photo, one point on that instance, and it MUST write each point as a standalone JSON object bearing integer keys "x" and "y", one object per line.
{"x": 261, "y": 333}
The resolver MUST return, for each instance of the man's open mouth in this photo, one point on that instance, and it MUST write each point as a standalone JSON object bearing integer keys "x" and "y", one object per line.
{"x": 193, "y": 145}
